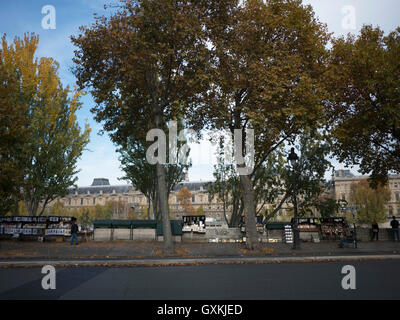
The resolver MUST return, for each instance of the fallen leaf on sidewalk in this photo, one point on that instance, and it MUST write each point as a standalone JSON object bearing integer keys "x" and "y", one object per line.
{"x": 18, "y": 253}
{"x": 181, "y": 251}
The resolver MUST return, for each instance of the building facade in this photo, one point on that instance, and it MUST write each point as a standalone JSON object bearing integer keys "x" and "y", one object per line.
{"x": 131, "y": 200}
{"x": 101, "y": 192}
{"x": 343, "y": 179}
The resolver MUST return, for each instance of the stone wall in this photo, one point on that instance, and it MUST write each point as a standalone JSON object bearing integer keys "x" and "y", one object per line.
{"x": 103, "y": 234}
{"x": 144, "y": 234}
{"x": 213, "y": 233}
{"x": 365, "y": 234}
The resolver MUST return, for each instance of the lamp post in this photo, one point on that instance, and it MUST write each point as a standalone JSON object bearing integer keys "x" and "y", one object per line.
{"x": 292, "y": 159}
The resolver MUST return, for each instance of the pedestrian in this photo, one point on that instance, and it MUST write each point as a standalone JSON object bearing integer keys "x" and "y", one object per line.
{"x": 74, "y": 232}
{"x": 343, "y": 240}
{"x": 395, "y": 228}
{"x": 375, "y": 231}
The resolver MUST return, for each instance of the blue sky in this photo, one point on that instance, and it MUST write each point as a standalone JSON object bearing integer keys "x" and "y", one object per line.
{"x": 101, "y": 160}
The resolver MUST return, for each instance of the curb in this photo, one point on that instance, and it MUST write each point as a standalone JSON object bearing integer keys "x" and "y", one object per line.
{"x": 192, "y": 262}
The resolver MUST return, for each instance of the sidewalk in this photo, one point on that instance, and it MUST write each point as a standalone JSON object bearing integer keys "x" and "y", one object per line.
{"x": 128, "y": 250}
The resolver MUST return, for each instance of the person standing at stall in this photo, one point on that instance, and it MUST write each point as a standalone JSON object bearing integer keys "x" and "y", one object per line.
{"x": 74, "y": 232}
{"x": 395, "y": 228}
{"x": 375, "y": 231}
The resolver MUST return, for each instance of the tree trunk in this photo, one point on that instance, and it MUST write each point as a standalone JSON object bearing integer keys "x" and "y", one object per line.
{"x": 32, "y": 207}
{"x": 154, "y": 205}
{"x": 250, "y": 212}
{"x": 236, "y": 213}
{"x": 148, "y": 207}
{"x": 162, "y": 192}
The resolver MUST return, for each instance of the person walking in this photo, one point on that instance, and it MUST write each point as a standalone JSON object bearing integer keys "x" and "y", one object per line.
{"x": 395, "y": 228}
{"x": 375, "y": 231}
{"x": 74, "y": 232}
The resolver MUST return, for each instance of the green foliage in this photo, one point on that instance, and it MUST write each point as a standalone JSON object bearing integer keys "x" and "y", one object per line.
{"x": 53, "y": 140}
{"x": 363, "y": 109}
{"x": 143, "y": 64}
{"x": 200, "y": 211}
{"x": 328, "y": 207}
{"x": 371, "y": 201}
{"x": 12, "y": 137}
{"x": 142, "y": 175}
{"x": 269, "y": 58}
{"x": 307, "y": 178}
{"x": 57, "y": 209}
{"x": 184, "y": 196}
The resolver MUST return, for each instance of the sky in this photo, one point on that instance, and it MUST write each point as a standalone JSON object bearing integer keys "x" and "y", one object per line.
{"x": 100, "y": 159}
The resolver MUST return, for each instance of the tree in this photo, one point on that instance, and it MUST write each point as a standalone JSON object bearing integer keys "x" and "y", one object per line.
{"x": 269, "y": 58}
{"x": 12, "y": 137}
{"x": 328, "y": 207}
{"x": 371, "y": 201}
{"x": 185, "y": 198}
{"x": 141, "y": 64}
{"x": 200, "y": 211}
{"x": 227, "y": 188}
{"x": 53, "y": 140}
{"x": 308, "y": 176}
{"x": 363, "y": 110}
{"x": 142, "y": 174}
{"x": 57, "y": 209}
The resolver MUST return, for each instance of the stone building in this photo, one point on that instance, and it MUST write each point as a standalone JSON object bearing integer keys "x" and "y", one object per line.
{"x": 343, "y": 179}
{"x": 130, "y": 199}
{"x": 100, "y": 192}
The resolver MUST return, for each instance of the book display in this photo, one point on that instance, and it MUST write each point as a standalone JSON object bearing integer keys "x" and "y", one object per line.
{"x": 288, "y": 234}
{"x": 333, "y": 228}
{"x": 195, "y": 224}
{"x": 36, "y": 227}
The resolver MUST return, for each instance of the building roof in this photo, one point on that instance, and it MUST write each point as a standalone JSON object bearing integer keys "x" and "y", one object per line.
{"x": 101, "y": 188}
{"x": 100, "y": 182}
{"x": 192, "y": 186}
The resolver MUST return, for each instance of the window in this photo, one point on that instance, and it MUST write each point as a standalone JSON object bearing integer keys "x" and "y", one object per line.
{"x": 397, "y": 196}
{"x": 193, "y": 198}
{"x": 81, "y": 201}
{"x": 343, "y": 197}
{"x": 94, "y": 200}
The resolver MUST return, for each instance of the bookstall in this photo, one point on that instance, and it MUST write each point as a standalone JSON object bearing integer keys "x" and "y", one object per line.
{"x": 309, "y": 228}
{"x": 194, "y": 224}
{"x": 333, "y": 228}
{"x": 35, "y": 228}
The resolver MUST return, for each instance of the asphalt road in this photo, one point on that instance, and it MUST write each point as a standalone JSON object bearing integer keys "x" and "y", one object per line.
{"x": 374, "y": 280}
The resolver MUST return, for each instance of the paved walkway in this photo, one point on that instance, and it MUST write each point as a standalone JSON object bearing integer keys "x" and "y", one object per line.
{"x": 126, "y": 250}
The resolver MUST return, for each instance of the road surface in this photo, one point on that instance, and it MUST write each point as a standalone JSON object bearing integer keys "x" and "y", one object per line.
{"x": 374, "y": 280}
